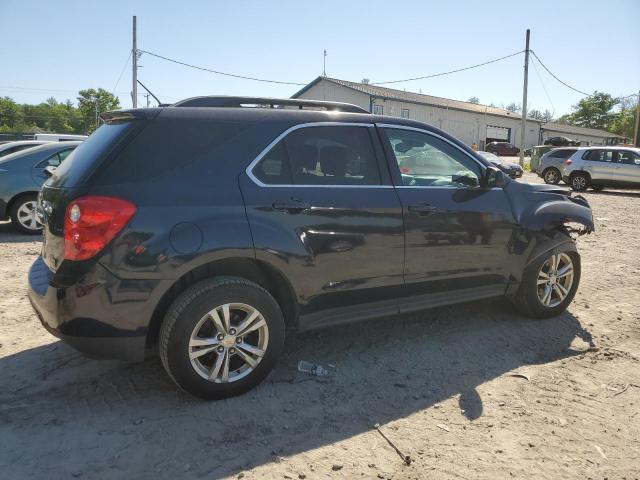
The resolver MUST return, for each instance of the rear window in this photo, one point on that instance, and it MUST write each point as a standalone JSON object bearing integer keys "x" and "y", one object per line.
{"x": 82, "y": 160}
{"x": 562, "y": 153}
{"x": 167, "y": 144}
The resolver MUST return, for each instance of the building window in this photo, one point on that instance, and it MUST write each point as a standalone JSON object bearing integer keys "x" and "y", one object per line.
{"x": 377, "y": 110}
{"x": 404, "y": 113}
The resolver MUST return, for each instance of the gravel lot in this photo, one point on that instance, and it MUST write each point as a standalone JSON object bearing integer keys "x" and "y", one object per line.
{"x": 441, "y": 385}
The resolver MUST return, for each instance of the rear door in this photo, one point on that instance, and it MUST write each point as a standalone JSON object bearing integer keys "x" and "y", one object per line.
{"x": 322, "y": 210}
{"x": 599, "y": 164}
{"x": 457, "y": 233}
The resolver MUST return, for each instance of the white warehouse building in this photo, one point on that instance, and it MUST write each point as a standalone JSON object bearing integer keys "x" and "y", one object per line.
{"x": 469, "y": 122}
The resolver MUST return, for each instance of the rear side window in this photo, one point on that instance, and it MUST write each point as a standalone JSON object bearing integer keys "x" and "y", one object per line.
{"x": 167, "y": 144}
{"x": 598, "y": 155}
{"x": 73, "y": 170}
{"x": 321, "y": 156}
{"x": 562, "y": 153}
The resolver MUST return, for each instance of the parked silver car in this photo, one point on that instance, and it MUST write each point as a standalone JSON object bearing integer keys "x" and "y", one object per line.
{"x": 599, "y": 167}
{"x": 551, "y": 163}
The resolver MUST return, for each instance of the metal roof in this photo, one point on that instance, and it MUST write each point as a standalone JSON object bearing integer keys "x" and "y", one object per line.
{"x": 575, "y": 130}
{"x": 419, "y": 98}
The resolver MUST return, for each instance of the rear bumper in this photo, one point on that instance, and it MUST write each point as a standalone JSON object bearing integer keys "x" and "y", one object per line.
{"x": 94, "y": 316}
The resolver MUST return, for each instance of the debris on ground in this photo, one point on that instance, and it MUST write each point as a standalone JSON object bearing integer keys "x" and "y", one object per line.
{"x": 405, "y": 458}
{"x": 313, "y": 369}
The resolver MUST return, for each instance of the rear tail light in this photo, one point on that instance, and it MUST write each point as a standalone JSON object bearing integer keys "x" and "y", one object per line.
{"x": 568, "y": 161}
{"x": 90, "y": 223}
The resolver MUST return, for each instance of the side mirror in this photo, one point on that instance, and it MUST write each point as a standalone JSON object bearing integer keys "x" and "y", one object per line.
{"x": 494, "y": 177}
{"x": 49, "y": 171}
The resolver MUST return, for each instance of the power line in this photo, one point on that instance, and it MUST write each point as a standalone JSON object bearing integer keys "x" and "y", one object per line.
{"x": 551, "y": 73}
{"x": 113, "y": 90}
{"x": 544, "y": 88}
{"x": 217, "y": 72}
{"x": 450, "y": 71}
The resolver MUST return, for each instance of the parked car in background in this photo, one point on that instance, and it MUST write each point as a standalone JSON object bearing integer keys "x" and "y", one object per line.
{"x": 512, "y": 169}
{"x": 59, "y": 137}
{"x": 21, "y": 176}
{"x": 505, "y": 149}
{"x": 8, "y": 148}
{"x": 536, "y": 152}
{"x": 561, "y": 142}
{"x": 211, "y": 232}
{"x": 551, "y": 163}
{"x": 600, "y": 167}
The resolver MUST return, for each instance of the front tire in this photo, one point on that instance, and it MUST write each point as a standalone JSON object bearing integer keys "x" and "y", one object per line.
{"x": 551, "y": 176}
{"x": 549, "y": 284}
{"x": 23, "y": 214}
{"x": 221, "y": 337}
{"x": 579, "y": 181}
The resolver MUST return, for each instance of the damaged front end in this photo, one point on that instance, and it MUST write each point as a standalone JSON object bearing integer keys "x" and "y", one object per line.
{"x": 542, "y": 207}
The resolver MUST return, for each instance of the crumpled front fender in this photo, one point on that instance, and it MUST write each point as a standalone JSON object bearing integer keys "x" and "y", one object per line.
{"x": 554, "y": 213}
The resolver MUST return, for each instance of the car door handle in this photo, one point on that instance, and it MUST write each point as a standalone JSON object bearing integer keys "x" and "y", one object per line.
{"x": 294, "y": 206}
{"x": 422, "y": 208}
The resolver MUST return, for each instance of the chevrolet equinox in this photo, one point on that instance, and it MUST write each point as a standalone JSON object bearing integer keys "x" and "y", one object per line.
{"x": 208, "y": 229}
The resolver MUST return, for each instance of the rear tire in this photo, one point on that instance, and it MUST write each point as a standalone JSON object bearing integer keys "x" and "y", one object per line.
{"x": 221, "y": 337}
{"x": 551, "y": 176}
{"x": 579, "y": 181}
{"x": 23, "y": 214}
{"x": 541, "y": 296}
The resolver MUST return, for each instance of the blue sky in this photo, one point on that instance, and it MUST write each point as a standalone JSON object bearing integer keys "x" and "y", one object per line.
{"x": 56, "y": 48}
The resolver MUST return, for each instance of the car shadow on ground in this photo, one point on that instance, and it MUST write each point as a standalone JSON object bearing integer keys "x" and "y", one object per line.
{"x": 8, "y": 234}
{"x": 616, "y": 193}
{"x": 107, "y": 417}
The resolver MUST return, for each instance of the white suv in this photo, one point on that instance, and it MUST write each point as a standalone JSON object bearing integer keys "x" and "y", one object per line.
{"x": 599, "y": 167}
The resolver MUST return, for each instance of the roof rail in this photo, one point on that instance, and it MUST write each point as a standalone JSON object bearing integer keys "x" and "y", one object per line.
{"x": 260, "y": 102}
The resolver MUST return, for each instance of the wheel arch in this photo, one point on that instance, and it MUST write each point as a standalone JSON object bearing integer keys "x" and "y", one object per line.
{"x": 16, "y": 197}
{"x": 262, "y": 273}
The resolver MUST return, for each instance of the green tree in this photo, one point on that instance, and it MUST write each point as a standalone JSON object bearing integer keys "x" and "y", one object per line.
{"x": 594, "y": 111}
{"x": 547, "y": 116}
{"x": 535, "y": 113}
{"x": 514, "y": 107}
{"x": 91, "y": 101}
{"x": 475, "y": 100}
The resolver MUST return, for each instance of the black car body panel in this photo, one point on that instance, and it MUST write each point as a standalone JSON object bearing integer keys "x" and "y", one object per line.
{"x": 327, "y": 254}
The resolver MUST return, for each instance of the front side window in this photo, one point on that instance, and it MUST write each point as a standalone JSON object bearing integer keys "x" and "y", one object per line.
{"x": 331, "y": 155}
{"x": 426, "y": 160}
{"x": 55, "y": 159}
{"x": 628, "y": 157}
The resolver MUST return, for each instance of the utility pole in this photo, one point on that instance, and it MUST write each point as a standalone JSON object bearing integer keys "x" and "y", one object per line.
{"x": 97, "y": 114}
{"x": 523, "y": 128}
{"x": 324, "y": 64}
{"x": 636, "y": 135}
{"x": 147, "y": 97}
{"x": 134, "y": 67}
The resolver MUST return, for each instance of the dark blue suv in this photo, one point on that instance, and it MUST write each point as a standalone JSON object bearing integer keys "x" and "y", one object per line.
{"x": 212, "y": 227}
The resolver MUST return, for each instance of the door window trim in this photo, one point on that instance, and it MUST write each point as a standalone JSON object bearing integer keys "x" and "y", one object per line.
{"x": 268, "y": 148}
{"x": 393, "y": 161}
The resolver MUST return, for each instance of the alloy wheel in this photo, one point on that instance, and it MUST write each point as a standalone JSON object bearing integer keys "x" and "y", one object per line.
{"x": 579, "y": 182}
{"x": 26, "y": 215}
{"x": 555, "y": 279}
{"x": 228, "y": 343}
{"x": 551, "y": 176}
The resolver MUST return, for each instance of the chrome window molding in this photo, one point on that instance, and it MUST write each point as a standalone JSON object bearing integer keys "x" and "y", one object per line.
{"x": 267, "y": 149}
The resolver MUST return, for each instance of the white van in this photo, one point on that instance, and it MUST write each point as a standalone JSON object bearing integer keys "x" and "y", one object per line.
{"x": 58, "y": 137}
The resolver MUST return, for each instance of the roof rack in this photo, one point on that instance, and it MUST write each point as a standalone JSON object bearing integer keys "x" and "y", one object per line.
{"x": 260, "y": 102}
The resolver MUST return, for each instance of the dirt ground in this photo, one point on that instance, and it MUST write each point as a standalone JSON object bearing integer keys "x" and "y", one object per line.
{"x": 442, "y": 384}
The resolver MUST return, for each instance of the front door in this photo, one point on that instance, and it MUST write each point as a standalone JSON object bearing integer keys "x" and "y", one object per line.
{"x": 627, "y": 168}
{"x": 457, "y": 232}
{"x": 322, "y": 210}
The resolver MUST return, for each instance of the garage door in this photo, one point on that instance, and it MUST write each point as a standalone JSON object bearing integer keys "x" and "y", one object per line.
{"x": 499, "y": 134}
